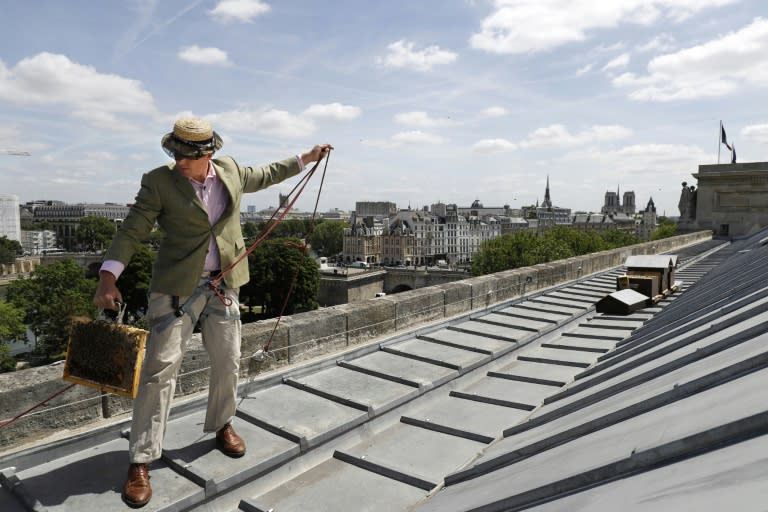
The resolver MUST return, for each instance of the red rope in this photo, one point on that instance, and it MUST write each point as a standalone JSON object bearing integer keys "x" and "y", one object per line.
{"x": 303, "y": 248}
{"x": 19, "y": 416}
{"x": 214, "y": 283}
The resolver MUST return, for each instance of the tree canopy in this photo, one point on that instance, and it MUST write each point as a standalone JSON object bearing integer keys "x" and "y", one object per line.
{"x": 328, "y": 237}
{"x": 273, "y": 266}
{"x": 9, "y": 249}
{"x": 134, "y": 283}
{"x": 286, "y": 228}
{"x": 524, "y": 248}
{"x": 617, "y": 238}
{"x": 49, "y": 298}
{"x": 11, "y": 329}
{"x": 94, "y": 233}
{"x": 666, "y": 229}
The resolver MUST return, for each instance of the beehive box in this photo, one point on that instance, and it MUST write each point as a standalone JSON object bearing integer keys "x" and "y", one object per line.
{"x": 106, "y": 356}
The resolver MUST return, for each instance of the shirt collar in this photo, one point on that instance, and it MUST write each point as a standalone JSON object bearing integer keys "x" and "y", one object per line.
{"x": 209, "y": 176}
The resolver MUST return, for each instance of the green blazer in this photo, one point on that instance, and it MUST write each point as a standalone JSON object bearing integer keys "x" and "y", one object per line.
{"x": 168, "y": 198}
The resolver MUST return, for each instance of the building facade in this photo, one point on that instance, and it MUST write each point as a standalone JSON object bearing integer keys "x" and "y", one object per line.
{"x": 612, "y": 205}
{"x": 731, "y": 199}
{"x": 419, "y": 237}
{"x": 380, "y": 209}
{"x": 65, "y": 218}
{"x": 37, "y": 241}
{"x": 10, "y": 225}
{"x": 546, "y": 214}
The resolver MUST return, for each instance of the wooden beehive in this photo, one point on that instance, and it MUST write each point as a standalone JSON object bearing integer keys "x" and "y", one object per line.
{"x": 105, "y": 355}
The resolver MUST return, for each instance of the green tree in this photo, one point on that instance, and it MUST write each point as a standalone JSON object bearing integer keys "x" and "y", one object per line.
{"x": 134, "y": 282}
{"x": 579, "y": 242}
{"x": 9, "y": 249}
{"x": 50, "y": 297}
{"x": 551, "y": 249}
{"x": 94, "y": 233}
{"x": 35, "y": 225}
{"x": 666, "y": 229}
{"x": 524, "y": 248}
{"x": 328, "y": 237}
{"x": 273, "y": 266}
{"x": 11, "y": 329}
{"x": 250, "y": 230}
{"x": 11, "y": 322}
{"x": 510, "y": 250}
{"x": 616, "y": 238}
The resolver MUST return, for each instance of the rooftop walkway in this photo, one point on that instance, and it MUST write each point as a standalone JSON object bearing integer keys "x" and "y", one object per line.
{"x": 540, "y": 402}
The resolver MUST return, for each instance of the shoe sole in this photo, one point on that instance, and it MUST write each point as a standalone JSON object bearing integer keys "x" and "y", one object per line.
{"x": 135, "y": 504}
{"x": 234, "y": 455}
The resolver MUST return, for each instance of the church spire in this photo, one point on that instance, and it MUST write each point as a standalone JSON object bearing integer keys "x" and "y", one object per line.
{"x": 547, "y": 201}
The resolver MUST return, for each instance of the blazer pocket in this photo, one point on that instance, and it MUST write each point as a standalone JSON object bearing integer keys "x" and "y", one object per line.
{"x": 239, "y": 246}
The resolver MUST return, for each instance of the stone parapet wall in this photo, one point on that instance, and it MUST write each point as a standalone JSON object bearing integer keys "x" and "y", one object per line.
{"x": 304, "y": 337}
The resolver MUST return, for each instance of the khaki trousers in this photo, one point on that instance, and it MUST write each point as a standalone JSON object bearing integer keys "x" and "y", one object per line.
{"x": 220, "y": 328}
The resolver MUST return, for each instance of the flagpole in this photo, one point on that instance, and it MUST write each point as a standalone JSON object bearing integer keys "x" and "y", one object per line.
{"x": 719, "y": 141}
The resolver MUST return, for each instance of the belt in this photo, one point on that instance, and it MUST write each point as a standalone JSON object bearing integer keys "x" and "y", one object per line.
{"x": 208, "y": 274}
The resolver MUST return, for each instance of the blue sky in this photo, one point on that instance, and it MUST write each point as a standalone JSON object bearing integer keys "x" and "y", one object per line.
{"x": 425, "y": 101}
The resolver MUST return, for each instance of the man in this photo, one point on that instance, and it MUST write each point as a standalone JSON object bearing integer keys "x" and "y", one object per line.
{"x": 196, "y": 203}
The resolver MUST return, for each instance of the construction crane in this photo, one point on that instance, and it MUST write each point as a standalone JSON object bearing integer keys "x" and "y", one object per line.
{"x": 13, "y": 152}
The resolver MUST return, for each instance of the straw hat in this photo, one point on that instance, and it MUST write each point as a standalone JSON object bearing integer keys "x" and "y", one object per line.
{"x": 191, "y": 137}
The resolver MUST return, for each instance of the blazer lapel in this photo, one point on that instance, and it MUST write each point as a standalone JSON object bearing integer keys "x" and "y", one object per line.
{"x": 229, "y": 186}
{"x": 187, "y": 190}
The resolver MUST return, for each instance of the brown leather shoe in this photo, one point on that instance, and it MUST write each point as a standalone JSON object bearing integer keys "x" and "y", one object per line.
{"x": 137, "y": 491}
{"x": 229, "y": 442}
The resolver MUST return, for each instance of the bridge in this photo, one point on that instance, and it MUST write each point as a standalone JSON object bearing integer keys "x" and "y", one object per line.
{"x": 346, "y": 285}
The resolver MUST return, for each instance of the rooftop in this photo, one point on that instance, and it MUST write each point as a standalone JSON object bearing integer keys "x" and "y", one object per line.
{"x": 538, "y": 403}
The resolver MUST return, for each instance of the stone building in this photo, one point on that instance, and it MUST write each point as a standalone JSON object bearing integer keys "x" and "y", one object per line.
{"x": 65, "y": 218}
{"x": 35, "y": 242}
{"x": 646, "y": 221}
{"x": 419, "y": 237}
{"x": 380, "y": 209}
{"x": 612, "y": 204}
{"x": 10, "y": 225}
{"x": 476, "y": 209}
{"x": 546, "y": 214}
{"x": 731, "y": 199}
{"x": 362, "y": 240}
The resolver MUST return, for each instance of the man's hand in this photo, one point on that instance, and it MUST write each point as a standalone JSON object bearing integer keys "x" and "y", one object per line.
{"x": 316, "y": 154}
{"x": 107, "y": 295}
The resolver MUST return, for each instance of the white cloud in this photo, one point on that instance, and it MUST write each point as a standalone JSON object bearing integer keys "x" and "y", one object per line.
{"x": 584, "y": 70}
{"x": 238, "y": 10}
{"x": 51, "y": 79}
{"x": 9, "y": 133}
{"x": 493, "y": 146}
{"x": 756, "y": 132}
{"x": 619, "y": 62}
{"x": 654, "y": 161}
{"x": 715, "y": 68}
{"x": 402, "y": 54}
{"x": 494, "y": 112}
{"x": 420, "y": 119}
{"x": 198, "y": 55}
{"x": 100, "y": 155}
{"x": 522, "y": 26}
{"x": 266, "y": 122}
{"x": 663, "y": 43}
{"x": 334, "y": 111}
{"x": 557, "y": 135}
{"x": 417, "y": 137}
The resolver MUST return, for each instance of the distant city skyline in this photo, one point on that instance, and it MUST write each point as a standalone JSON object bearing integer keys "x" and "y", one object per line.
{"x": 426, "y": 101}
